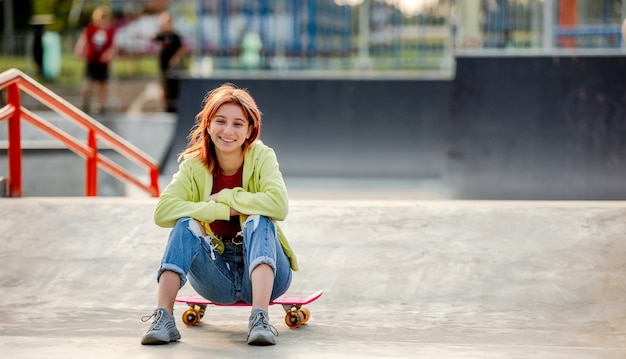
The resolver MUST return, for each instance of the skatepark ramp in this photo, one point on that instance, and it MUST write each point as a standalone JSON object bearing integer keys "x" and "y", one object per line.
{"x": 418, "y": 279}
{"x": 547, "y": 127}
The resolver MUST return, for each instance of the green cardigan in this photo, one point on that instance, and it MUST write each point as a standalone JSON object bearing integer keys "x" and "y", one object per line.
{"x": 264, "y": 193}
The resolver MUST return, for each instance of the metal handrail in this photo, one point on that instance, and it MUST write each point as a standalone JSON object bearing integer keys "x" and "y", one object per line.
{"x": 14, "y": 80}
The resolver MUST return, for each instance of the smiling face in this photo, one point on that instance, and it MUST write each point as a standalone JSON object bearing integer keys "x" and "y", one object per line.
{"x": 229, "y": 123}
{"x": 229, "y": 128}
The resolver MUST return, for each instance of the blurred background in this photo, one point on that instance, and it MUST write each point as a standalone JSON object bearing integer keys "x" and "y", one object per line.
{"x": 458, "y": 99}
{"x": 322, "y": 35}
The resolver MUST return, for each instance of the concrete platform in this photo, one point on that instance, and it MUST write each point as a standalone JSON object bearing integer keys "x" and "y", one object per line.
{"x": 405, "y": 279}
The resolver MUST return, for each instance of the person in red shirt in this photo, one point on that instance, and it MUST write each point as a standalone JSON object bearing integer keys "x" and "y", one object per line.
{"x": 96, "y": 46}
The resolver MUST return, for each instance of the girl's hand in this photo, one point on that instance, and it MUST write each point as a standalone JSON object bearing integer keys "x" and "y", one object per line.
{"x": 213, "y": 197}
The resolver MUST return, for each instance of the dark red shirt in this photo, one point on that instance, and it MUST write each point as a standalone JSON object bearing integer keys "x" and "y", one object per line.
{"x": 231, "y": 227}
{"x": 98, "y": 41}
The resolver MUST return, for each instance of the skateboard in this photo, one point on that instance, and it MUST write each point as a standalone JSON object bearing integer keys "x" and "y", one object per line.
{"x": 295, "y": 312}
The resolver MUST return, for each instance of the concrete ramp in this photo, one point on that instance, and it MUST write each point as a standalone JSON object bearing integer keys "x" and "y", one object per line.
{"x": 419, "y": 279}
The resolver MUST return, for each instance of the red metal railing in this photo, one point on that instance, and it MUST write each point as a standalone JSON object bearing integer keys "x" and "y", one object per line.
{"x": 13, "y": 81}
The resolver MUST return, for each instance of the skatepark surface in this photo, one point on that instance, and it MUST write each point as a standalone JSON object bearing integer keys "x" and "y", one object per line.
{"x": 403, "y": 277}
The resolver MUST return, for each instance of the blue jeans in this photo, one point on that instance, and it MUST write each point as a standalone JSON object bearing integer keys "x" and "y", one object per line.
{"x": 225, "y": 278}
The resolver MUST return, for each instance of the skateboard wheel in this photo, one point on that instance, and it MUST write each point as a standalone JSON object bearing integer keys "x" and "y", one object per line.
{"x": 294, "y": 318}
{"x": 190, "y": 317}
{"x": 306, "y": 313}
{"x": 200, "y": 309}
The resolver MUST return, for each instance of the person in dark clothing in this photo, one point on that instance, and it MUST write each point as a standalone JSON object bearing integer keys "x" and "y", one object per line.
{"x": 171, "y": 52}
{"x": 39, "y": 23}
{"x": 38, "y": 48}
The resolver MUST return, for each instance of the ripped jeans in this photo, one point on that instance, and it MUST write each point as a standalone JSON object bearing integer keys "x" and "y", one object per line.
{"x": 225, "y": 278}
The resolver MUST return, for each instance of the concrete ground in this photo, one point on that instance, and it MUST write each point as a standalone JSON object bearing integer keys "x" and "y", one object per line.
{"x": 406, "y": 274}
{"x": 415, "y": 278}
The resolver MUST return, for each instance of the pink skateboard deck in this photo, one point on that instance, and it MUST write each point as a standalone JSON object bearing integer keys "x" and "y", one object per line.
{"x": 293, "y": 304}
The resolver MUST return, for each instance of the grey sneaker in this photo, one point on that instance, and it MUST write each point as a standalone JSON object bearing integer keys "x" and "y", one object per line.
{"x": 163, "y": 329}
{"x": 260, "y": 331}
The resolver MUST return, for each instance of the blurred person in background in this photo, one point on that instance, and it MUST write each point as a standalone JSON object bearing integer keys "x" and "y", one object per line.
{"x": 96, "y": 46}
{"x": 171, "y": 52}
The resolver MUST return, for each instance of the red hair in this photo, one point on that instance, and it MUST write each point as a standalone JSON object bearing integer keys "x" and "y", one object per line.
{"x": 199, "y": 139}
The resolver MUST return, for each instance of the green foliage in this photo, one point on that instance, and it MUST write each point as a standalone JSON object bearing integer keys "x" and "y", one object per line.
{"x": 44, "y": 6}
{"x": 60, "y": 9}
{"x": 9, "y": 62}
{"x": 73, "y": 69}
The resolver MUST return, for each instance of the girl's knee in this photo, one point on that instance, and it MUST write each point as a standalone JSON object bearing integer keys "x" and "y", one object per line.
{"x": 196, "y": 228}
{"x": 182, "y": 222}
{"x": 191, "y": 225}
{"x": 255, "y": 221}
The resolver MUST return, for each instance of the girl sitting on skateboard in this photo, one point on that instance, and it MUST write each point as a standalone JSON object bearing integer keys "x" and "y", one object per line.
{"x": 222, "y": 205}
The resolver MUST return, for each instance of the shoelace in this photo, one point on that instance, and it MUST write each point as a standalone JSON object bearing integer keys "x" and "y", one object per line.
{"x": 158, "y": 314}
{"x": 263, "y": 321}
